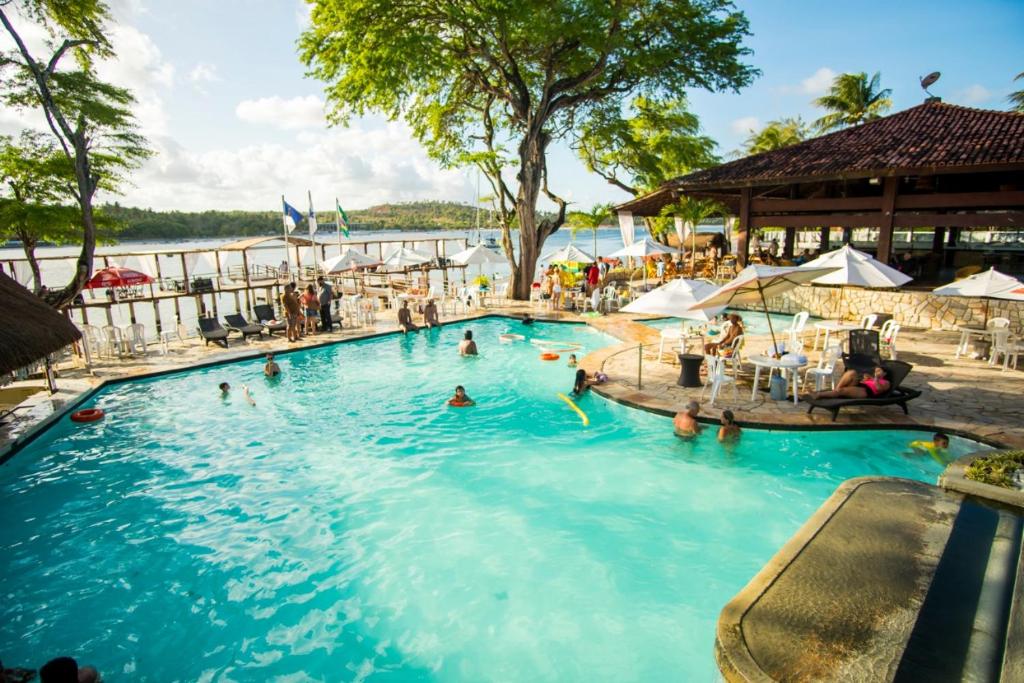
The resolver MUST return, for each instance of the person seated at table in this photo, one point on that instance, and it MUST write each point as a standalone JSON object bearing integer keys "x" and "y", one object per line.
{"x": 467, "y": 347}
{"x": 729, "y": 431}
{"x": 685, "y": 421}
{"x": 858, "y": 385}
{"x": 803, "y": 258}
{"x": 405, "y": 322}
{"x": 430, "y": 315}
{"x": 735, "y": 330}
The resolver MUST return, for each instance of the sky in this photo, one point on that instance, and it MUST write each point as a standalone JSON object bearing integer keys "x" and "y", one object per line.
{"x": 235, "y": 122}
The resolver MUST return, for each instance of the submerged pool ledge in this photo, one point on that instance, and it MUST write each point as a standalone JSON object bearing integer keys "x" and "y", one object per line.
{"x": 890, "y": 580}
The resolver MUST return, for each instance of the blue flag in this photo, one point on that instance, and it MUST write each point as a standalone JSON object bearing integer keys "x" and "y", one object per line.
{"x": 291, "y": 216}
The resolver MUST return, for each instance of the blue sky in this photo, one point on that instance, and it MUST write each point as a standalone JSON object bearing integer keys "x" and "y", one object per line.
{"x": 224, "y": 99}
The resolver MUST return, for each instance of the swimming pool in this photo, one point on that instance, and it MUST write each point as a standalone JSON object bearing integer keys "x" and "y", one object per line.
{"x": 754, "y": 322}
{"x": 349, "y": 527}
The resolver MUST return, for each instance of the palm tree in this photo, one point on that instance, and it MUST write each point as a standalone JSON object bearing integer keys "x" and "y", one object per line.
{"x": 693, "y": 211}
{"x": 778, "y": 134}
{"x": 1017, "y": 98}
{"x": 589, "y": 220}
{"x": 853, "y": 99}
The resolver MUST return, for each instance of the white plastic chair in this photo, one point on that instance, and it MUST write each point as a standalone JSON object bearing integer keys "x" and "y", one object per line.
{"x": 137, "y": 339}
{"x": 1005, "y": 345}
{"x": 868, "y": 321}
{"x": 113, "y": 342}
{"x": 673, "y": 336}
{"x": 826, "y": 367}
{"x": 92, "y": 337}
{"x": 735, "y": 356}
{"x": 887, "y": 337}
{"x": 716, "y": 378}
{"x": 611, "y": 299}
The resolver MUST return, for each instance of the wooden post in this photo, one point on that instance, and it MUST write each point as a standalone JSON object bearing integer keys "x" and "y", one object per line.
{"x": 248, "y": 280}
{"x": 885, "y": 226}
{"x": 743, "y": 228}
{"x": 131, "y": 311}
{"x": 826, "y": 234}
{"x": 790, "y": 243}
{"x": 640, "y": 367}
{"x": 950, "y": 253}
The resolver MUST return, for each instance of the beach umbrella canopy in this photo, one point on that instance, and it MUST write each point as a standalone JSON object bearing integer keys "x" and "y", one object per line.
{"x": 644, "y": 248}
{"x": 758, "y": 283}
{"x": 115, "y": 276}
{"x": 349, "y": 260}
{"x": 405, "y": 257}
{"x": 990, "y": 284}
{"x": 477, "y": 255}
{"x": 568, "y": 254}
{"x": 676, "y": 299}
{"x": 857, "y": 269}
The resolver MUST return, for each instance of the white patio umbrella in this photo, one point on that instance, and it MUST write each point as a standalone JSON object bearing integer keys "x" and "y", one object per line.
{"x": 570, "y": 253}
{"x": 479, "y": 255}
{"x": 990, "y": 284}
{"x": 349, "y": 260}
{"x": 857, "y": 269}
{"x": 641, "y": 250}
{"x": 758, "y": 283}
{"x": 675, "y": 299}
{"x": 404, "y": 257}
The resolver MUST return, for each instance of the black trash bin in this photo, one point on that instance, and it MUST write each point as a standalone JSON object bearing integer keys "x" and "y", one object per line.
{"x": 689, "y": 375}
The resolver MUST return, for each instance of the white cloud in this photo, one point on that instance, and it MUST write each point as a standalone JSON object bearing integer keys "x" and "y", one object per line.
{"x": 974, "y": 94}
{"x": 814, "y": 85}
{"x": 140, "y": 67}
{"x": 290, "y": 114}
{"x": 362, "y": 165}
{"x": 303, "y": 14}
{"x": 745, "y": 125}
{"x": 203, "y": 73}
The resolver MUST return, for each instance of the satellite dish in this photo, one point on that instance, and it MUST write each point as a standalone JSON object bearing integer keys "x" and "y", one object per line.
{"x": 929, "y": 81}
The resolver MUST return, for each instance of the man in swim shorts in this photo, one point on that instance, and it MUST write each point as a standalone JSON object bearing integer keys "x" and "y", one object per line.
{"x": 405, "y": 322}
{"x": 467, "y": 347}
{"x": 292, "y": 310}
{"x": 430, "y": 314}
{"x": 271, "y": 369}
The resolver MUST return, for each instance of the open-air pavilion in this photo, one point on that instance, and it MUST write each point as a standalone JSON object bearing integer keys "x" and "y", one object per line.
{"x": 935, "y": 166}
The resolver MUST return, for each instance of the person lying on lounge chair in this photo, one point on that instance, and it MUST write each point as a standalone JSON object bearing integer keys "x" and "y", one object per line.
{"x": 855, "y": 385}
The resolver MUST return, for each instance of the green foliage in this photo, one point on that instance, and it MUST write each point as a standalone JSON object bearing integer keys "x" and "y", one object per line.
{"x": 494, "y": 82}
{"x": 778, "y": 134}
{"x": 852, "y": 100}
{"x": 1017, "y": 98}
{"x": 660, "y": 141}
{"x": 996, "y": 469}
{"x": 691, "y": 210}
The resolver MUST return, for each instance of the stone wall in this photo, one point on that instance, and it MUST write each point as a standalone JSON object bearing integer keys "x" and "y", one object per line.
{"x": 910, "y": 308}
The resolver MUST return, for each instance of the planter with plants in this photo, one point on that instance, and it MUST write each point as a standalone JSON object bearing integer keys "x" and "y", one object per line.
{"x": 998, "y": 475}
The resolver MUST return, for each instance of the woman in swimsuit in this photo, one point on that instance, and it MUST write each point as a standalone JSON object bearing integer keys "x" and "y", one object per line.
{"x": 852, "y": 385}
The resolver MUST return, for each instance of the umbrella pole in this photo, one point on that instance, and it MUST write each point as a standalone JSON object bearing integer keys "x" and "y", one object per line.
{"x": 775, "y": 344}
{"x": 985, "y": 323}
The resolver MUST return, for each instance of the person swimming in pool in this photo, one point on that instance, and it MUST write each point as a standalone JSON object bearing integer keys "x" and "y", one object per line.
{"x": 572, "y": 360}
{"x": 527, "y": 320}
{"x": 938, "y": 447}
{"x": 729, "y": 432}
{"x": 460, "y": 399}
{"x": 467, "y": 347}
{"x": 855, "y": 385}
{"x": 225, "y": 389}
{"x": 271, "y": 369}
{"x": 685, "y": 421}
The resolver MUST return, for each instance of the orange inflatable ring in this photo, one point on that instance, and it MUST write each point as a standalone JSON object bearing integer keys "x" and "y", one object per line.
{"x": 458, "y": 404}
{"x": 549, "y": 356}
{"x": 87, "y": 415}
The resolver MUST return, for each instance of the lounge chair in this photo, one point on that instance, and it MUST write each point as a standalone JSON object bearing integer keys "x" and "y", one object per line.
{"x": 896, "y": 371}
{"x": 211, "y": 331}
{"x": 238, "y": 323}
{"x": 865, "y": 351}
{"x": 265, "y": 314}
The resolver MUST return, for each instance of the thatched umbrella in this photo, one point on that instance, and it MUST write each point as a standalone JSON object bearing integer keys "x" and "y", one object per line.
{"x": 29, "y": 329}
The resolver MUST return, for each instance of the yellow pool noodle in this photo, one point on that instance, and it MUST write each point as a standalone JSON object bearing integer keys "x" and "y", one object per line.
{"x": 583, "y": 416}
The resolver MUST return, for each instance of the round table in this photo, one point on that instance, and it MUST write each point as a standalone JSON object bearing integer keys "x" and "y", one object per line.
{"x": 966, "y": 332}
{"x": 830, "y": 326}
{"x": 776, "y": 364}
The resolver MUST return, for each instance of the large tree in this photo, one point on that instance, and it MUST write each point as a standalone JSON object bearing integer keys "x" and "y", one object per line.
{"x": 495, "y": 82}
{"x": 91, "y": 120}
{"x": 776, "y": 135}
{"x": 853, "y": 99}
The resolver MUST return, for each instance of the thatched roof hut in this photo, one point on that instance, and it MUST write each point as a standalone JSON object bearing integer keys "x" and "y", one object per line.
{"x": 29, "y": 329}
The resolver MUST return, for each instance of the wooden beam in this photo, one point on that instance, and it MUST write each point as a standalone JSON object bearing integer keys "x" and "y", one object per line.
{"x": 1010, "y": 219}
{"x": 852, "y": 220}
{"x": 962, "y": 200}
{"x": 889, "y": 190}
{"x": 821, "y": 205}
{"x": 743, "y": 227}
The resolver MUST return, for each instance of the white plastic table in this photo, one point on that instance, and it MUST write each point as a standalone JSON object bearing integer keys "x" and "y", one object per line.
{"x": 782, "y": 366}
{"x": 966, "y": 332}
{"x": 830, "y": 326}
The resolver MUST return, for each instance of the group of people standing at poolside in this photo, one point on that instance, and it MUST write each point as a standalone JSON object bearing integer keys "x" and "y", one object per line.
{"x": 303, "y": 311}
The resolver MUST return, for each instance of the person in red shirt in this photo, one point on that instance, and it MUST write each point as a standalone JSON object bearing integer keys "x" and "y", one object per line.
{"x": 593, "y": 275}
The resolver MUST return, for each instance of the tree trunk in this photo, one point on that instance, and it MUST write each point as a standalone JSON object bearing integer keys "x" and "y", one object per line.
{"x": 28, "y": 244}
{"x": 86, "y": 188}
{"x": 531, "y": 235}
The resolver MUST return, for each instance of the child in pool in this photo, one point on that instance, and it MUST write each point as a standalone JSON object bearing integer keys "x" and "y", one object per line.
{"x": 729, "y": 432}
{"x": 572, "y": 360}
{"x": 460, "y": 399}
{"x": 938, "y": 447}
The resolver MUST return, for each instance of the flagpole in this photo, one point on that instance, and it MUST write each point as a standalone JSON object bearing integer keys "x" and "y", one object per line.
{"x": 337, "y": 219}
{"x": 284, "y": 224}
{"x": 312, "y": 233}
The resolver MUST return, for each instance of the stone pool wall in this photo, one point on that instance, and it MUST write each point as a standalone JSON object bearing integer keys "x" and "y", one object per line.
{"x": 910, "y": 309}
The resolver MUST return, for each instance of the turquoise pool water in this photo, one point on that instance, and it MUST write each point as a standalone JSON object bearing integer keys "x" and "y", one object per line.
{"x": 348, "y": 527}
{"x": 753, "y": 321}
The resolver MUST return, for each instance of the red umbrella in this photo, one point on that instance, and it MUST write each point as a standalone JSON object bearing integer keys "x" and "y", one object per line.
{"x": 115, "y": 276}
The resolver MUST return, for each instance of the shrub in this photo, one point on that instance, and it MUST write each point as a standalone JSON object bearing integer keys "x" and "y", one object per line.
{"x": 996, "y": 469}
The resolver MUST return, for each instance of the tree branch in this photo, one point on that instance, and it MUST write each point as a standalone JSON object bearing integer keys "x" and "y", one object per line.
{"x": 65, "y": 46}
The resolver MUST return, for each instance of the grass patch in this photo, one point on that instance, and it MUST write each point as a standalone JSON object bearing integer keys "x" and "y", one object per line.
{"x": 996, "y": 469}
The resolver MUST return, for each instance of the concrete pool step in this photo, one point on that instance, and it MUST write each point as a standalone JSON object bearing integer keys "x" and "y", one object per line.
{"x": 890, "y": 580}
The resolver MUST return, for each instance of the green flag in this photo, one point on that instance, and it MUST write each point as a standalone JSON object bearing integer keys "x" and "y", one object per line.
{"x": 342, "y": 218}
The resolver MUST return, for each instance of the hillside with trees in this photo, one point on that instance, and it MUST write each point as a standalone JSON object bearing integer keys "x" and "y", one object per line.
{"x": 147, "y": 224}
